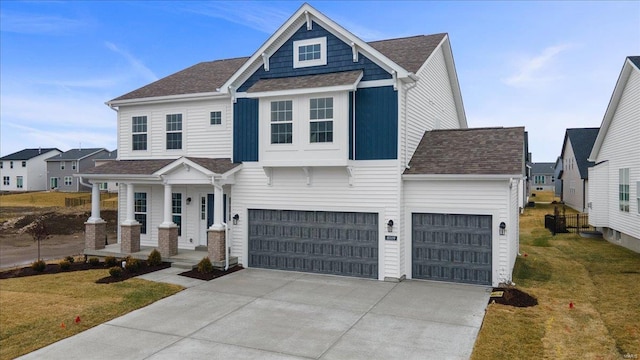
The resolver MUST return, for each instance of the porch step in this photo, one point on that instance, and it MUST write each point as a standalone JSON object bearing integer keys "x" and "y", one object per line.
{"x": 183, "y": 265}
{"x": 201, "y": 248}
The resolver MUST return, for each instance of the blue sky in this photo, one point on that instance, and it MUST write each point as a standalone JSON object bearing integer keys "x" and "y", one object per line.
{"x": 547, "y": 66}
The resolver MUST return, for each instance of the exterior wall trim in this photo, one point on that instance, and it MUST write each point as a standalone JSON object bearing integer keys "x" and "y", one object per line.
{"x": 419, "y": 177}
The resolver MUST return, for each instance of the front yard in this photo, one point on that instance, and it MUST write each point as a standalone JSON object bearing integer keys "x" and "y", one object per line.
{"x": 589, "y": 299}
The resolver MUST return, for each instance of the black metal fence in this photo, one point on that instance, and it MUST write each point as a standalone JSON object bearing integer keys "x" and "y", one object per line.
{"x": 574, "y": 223}
{"x": 105, "y": 202}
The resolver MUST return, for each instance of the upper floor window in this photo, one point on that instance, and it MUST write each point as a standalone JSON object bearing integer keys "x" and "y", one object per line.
{"x": 321, "y": 117}
{"x": 174, "y": 131}
{"x": 623, "y": 189}
{"x": 310, "y": 52}
{"x": 74, "y": 165}
{"x": 11, "y": 164}
{"x": 139, "y": 133}
{"x": 282, "y": 122}
{"x": 62, "y": 165}
{"x": 19, "y": 181}
{"x": 24, "y": 164}
{"x": 216, "y": 118}
{"x": 1, "y": 164}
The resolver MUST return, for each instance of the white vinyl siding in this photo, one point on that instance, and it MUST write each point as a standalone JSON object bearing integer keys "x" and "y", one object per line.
{"x": 598, "y": 195}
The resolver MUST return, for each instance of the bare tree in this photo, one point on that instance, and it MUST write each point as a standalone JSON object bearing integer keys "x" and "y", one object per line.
{"x": 39, "y": 232}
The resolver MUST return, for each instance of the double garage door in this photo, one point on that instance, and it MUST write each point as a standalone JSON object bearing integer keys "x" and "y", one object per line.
{"x": 339, "y": 243}
{"x": 452, "y": 247}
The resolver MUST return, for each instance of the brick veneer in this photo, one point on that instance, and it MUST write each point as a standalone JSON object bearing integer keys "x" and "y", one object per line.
{"x": 215, "y": 245}
{"x": 95, "y": 235}
{"x": 130, "y": 238}
{"x": 168, "y": 241}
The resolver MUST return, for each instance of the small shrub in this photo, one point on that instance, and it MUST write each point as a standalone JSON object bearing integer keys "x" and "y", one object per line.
{"x": 39, "y": 265}
{"x": 70, "y": 259}
{"x": 205, "y": 266}
{"x": 64, "y": 265}
{"x": 132, "y": 264}
{"x": 115, "y": 271}
{"x": 94, "y": 261}
{"x": 154, "y": 258}
{"x": 110, "y": 261}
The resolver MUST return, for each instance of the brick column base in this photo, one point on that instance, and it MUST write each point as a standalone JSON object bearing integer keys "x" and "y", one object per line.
{"x": 95, "y": 235}
{"x": 215, "y": 245}
{"x": 130, "y": 238}
{"x": 168, "y": 241}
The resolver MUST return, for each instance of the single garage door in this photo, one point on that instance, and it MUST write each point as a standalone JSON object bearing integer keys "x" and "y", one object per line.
{"x": 452, "y": 247}
{"x": 340, "y": 243}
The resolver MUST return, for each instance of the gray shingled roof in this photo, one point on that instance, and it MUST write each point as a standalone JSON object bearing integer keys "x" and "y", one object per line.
{"x": 635, "y": 60}
{"x": 27, "y": 154}
{"x": 75, "y": 154}
{"x": 148, "y": 167}
{"x": 200, "y": 78}
{"x": 410, "y": 53}
{"x": 111, "y": 155}
{"x": 482, "y": 151}
{"x": 542, "y": 168}
{"x": 582, "y": 141}
{"x": 307, "y": 81}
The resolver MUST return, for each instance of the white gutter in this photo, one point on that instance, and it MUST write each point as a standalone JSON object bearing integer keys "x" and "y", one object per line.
{"x": 461, "y": 177}
{"x": 156, "y": 99}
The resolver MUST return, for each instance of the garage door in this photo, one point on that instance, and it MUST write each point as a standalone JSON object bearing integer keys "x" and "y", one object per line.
{"x": 452, "y": 247}
{"x": 340, "y": 243}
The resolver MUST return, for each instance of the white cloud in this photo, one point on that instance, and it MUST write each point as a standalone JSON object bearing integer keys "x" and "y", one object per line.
{"x": 261, "y": 16}
{"x": 135, "y": 63}
{"x": 38, "y": 24}
{"x": 536, "y": 69}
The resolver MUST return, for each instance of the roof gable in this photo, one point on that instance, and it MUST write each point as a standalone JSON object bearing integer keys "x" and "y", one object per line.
{"x": 581, "y": 140}
{"x": 27, "y": 154}
{"x": 630, "y": 65}
{"x": 541, "y": 168}
{"x": 482, "y": 151}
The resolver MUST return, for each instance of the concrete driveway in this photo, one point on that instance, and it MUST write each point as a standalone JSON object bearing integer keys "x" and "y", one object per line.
{"x": 264, "y": 314}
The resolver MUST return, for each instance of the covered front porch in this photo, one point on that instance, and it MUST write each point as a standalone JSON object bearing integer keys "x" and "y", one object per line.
{"x": 177, "y": 206}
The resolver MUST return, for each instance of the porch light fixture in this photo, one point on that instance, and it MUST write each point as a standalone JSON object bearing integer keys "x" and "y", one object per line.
{"x": 503, "y": 228}
{"x": 236, "y": 217}
{"x": 188, "y": 200}
{"x": 389, "y": 225}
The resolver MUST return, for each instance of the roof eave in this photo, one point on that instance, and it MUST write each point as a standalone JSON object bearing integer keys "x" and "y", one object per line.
{"x": 167, "y": 98}
{"x": 460, "y": 177}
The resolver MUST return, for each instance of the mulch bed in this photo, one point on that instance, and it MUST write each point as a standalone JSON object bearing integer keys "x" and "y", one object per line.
{"x": 126, "y": 274}
{"x": 512, "y": 297}
{"x": 195, "y": 274}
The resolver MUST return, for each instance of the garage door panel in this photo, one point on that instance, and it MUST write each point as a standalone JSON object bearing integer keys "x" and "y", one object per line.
{"x": 452, "y": 247}
{"x": 342, "y": 243}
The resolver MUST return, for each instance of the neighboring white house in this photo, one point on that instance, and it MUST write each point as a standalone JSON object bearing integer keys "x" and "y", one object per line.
{"x": 25, "y": 170}
{"x": 574, "y": 176}
{"x": 614, "y": 182}
{"x": 296, "y": 158}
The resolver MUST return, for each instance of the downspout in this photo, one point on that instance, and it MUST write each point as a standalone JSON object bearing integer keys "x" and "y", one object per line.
{"x": 406, "y": 135}
{"x": 353, "y": 125}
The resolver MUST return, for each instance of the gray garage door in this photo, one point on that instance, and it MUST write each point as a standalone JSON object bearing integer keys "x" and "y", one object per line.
{"x": 452, "y": 247}
{"x": 340, "y": 243}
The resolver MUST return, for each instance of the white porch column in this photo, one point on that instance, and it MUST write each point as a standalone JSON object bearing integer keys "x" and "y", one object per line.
{"x": 131, "y": 219}
{"x": 168, "y": 220}
{"x": 217, "y": 208}
{"x": 95, "y": 204}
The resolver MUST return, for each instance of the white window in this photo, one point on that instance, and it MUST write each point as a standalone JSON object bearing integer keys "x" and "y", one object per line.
{"x": 68, "y": 181}
{"x": 216, "y": 118}
{"x": 74, "y": 165}
{"x": 176, "y": 210}
{"x": 11, "y": 164}
{"x": 1, "y": 164}
{"x": 103, "y": 186}
{"x": 53, "y": 183}
{"x": 623, "y": 189}
{"x": 282, "y": 122}
{"x": 174, "y": 131}
{"x": 24, "y": 164}
{"x": 140, "y": 210}
{"x": 5, "y": 180}
{"x": 310, "y": 52}
{"x": 62, "y": 164}
{"x": 19, "y": 182}
{"x": 321, "y": 120}
{"x": 139, "y": 133}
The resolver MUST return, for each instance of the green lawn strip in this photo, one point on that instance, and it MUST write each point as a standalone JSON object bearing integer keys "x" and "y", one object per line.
{"x": 33, "y": 309}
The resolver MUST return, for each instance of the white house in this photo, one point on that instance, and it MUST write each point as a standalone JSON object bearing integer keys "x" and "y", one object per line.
{"x": 296, "y": 158}
{"x": 614, "y": 181}
{"x": 574, "y": 176}
{"x": 25, "y": 170}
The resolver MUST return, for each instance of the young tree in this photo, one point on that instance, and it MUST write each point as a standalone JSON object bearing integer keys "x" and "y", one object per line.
{"x": 39, "y": 232}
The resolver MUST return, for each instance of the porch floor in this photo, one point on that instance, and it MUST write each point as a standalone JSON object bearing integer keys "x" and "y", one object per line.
{"x": 186, "y": 259}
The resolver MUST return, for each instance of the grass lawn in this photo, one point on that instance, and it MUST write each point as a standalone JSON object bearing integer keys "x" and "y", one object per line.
{"x": 38, "y": 199}
{"x": 600, "y": 279}
{"x": 32, "y": 309}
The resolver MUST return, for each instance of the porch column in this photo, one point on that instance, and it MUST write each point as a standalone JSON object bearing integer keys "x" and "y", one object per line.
{"x": 216, "y": 233}
{"x": 167, "y": 231}
{"x": 130, "y": 228}
{"x": 95, "y": 234}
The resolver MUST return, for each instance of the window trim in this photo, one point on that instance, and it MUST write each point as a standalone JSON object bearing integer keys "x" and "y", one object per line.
{"x": 140, "y": 212}
{"x": 74, "y": 165}
{"x": 173, "y": 131}
{"x": 19, "y": 182}
{"x": 318, "y": 120}
{"x": 135, "y": 133}
{"x": 62, "y": 165}
{"x": 297, "y": 63}
{"x": 286, "y": 121}
{"x": 211, "y": 118}
{"x": 624, "y": 189}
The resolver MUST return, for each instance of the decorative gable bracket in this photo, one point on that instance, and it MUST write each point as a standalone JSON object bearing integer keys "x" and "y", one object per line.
{"x": 309, "y": 22}
{"x": 354, "y": 50}
{"x": 265, "y": 60}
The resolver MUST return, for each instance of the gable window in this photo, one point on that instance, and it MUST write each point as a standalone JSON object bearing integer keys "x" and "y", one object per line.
{"x": 282, "y": 122}
{"x": 19, "y": 182}
{"x": 216, "y": 118}
{"x": 623, "y": 189}
{"x": 62, "y": 165}
{"x": 140, "y": 210}
{"x": 5, "y": 180}
{"x": 174, "y": 131}
{"x": 321, "y": 117}
{"x": 139, "y": 133}
{"x": 68, "y": 181}
{"x": 24, "y": 164}
{"x": 74, "y": 165}
{"x": 176, "y": 209}
{"x": 310, "y": 52}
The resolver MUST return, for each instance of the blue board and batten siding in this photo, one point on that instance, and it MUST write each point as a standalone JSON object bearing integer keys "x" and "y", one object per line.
{"x": 245, "y": 130}
{"x": 339, "y": 58}
{"x": 376, "y": 124}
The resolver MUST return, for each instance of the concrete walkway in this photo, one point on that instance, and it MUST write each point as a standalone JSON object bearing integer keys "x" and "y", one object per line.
{"x": 264, "y": 314}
